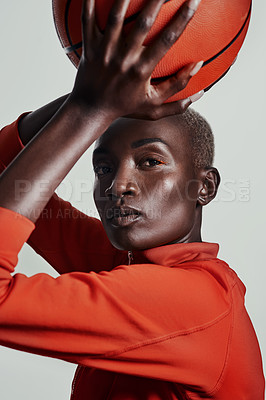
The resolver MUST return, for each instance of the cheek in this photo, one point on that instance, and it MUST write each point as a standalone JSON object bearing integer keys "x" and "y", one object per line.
{"x": 169, "y": 193}
{"x": 99, "y": 189}
{"x": 171, "y": 210}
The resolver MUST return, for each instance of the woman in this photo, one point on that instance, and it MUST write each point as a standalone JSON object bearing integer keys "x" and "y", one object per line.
{"x": 148, "y": 329}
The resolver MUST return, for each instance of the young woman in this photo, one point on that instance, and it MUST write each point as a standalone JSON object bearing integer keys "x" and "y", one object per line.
{"x": 143, "y": 305}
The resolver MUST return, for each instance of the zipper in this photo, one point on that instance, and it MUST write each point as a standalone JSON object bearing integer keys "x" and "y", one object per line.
{"x": 130, "y": 257}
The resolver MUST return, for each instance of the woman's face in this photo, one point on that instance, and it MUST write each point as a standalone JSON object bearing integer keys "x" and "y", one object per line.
{"x": 146, "y": 187}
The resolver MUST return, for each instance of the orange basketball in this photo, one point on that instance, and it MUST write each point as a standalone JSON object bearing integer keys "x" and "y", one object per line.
{"x": 215, "y": 35}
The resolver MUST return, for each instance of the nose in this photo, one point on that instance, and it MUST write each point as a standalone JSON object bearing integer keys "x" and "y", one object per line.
{"x": 123, "y": 184}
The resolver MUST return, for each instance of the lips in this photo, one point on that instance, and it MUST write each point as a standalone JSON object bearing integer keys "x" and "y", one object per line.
{"x": 122, "y": 216}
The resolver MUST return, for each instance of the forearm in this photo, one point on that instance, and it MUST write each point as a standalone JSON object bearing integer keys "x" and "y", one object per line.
{"x": 114, "y": 74}
{"x": 31, "y": 124}
{"x": 58, "y": 146}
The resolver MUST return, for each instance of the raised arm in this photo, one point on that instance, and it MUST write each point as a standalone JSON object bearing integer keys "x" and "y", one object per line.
{"x": 31, "y": 123}
{"x": 57, "y": 233}
{"x": 64, "y": 236}
{"x": 110, "y": 64}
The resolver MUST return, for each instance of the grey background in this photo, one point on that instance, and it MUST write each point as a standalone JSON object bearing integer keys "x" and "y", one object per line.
{"x": 34, "y": 70}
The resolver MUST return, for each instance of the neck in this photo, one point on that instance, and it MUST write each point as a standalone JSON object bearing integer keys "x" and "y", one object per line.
{"x": 194, "y": 235}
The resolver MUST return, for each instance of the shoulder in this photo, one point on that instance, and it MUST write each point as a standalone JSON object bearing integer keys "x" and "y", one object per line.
{"x": 189, "y": 294}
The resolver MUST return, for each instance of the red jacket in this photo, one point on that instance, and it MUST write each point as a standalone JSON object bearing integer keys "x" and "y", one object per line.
{"x": 172, "y": 325}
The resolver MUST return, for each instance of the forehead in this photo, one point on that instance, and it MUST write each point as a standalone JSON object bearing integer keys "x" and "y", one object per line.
{"x": 128, "y": 133}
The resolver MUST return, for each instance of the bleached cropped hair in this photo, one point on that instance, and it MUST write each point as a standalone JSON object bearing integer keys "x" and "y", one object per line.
{"x": 200, "y": 135}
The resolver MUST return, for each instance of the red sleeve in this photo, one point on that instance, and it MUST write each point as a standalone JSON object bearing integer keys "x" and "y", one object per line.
{"x": 72, "y": 241}
{"x": 65, "y": 237}
{"x": 147, "y": 320}
{"x": 10, "y": 143}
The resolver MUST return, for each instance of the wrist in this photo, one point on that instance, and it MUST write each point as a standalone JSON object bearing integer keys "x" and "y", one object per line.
{"x": 90, "y": 111}
{"x": 87, "y": 121}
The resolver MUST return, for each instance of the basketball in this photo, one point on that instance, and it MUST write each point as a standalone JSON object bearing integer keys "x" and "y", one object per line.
{"x": 214, "y": 35}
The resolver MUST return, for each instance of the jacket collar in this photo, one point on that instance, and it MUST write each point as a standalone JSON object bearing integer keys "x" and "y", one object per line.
{"x": 175, "y": 254}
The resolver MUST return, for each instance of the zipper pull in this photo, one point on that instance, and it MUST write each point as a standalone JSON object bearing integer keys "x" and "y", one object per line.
{"x": 130, "y": 257}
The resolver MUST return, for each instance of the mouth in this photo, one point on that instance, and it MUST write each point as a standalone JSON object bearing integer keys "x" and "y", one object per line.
{"x": 122, "y": 216}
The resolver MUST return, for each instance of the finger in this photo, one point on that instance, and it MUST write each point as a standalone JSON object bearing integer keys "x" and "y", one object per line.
{"x": 162, "y": 111}
{"x": 143, "y": 24}
{"x": 88, "y": 24}
{"x": 165, "y": 110}
{"x": 177, "y": 82}
{"x": 114, "y": 25}
{"x": 155, "y": 52}
{"x": 195, "y": 97}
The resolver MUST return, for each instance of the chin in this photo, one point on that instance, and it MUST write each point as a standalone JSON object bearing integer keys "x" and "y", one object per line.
{"x": 129, "y": 238}
{"x": 128, "y": 245}
{"x": 126, "y": 242}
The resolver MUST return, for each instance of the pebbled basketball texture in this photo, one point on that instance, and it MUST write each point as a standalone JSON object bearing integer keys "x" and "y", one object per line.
{"x": 215, "y": 35}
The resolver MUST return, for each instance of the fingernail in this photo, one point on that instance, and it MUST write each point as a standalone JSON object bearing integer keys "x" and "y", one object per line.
{"x": 196, "y": 68}
{"x": 196, "y": 96}
{"x": 193, "y": 4}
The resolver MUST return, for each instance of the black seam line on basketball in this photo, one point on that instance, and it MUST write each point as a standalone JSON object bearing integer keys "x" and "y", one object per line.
{"x": 74, "y": 47}
{"x": 217, "y": 80}
{"x": 163, "y": 78}
{"x": 67, "y": 29}
{"x": 232, "y": 41}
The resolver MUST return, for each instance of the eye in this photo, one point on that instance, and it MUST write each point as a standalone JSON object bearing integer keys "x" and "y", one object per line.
{"x": 152, "y": 162}
{"x": 101, "y": 170}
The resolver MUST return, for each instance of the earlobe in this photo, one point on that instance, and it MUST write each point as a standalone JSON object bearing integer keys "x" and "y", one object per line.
{"x": 210, "y": 179}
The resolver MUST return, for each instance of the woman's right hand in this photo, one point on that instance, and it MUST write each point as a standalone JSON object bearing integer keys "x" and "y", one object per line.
{"x": 114, "y": 75}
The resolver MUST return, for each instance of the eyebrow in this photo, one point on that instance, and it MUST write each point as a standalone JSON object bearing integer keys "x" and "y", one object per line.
{"x": 142, "y": 142}
{"x": 99, "y": 150}
{"x": 134, "y": 145}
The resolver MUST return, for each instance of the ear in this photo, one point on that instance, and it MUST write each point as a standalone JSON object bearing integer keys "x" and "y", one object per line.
{"x": 210, "y": 179}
